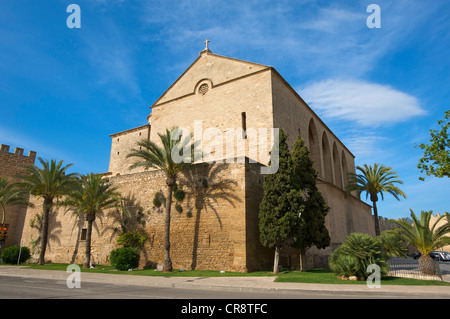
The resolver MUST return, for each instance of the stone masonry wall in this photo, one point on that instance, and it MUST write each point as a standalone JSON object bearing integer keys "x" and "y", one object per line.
{"x": 121, "y": 145}
{"x": 258, "y": 256}
{"x": 292, "y": 114}
{"x": 220, "y": 108}
{"x": 209, "y": 233}
{"x": 12, "y": 164}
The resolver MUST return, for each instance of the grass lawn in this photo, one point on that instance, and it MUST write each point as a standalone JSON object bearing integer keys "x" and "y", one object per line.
{"x": 151, "y": 272}
{"x": 316, "y": 276}
{"x": 325, "y": 276}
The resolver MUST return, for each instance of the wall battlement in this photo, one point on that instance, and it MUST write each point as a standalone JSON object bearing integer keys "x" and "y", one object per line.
{"x": 12, "y": 164}
{"x": 17, "y": 151}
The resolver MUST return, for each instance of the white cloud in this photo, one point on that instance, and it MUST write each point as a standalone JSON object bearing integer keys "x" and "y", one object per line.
{"x": 365, "y": 145}
{"x": 333, "y": 39}
{"x": 332, "y": 19}
{"x": 111, "y": 55}
{"x": 367, "y": 104}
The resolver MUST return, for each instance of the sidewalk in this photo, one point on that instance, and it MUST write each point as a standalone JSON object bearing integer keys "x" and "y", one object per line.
{"x": 247, "y": 284}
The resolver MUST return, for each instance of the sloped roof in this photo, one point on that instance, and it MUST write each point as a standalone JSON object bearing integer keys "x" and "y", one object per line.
{"x": 215, "y": 68}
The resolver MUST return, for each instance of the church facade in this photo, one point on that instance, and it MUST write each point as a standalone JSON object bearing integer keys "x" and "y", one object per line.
{"x": 216, "y": 225}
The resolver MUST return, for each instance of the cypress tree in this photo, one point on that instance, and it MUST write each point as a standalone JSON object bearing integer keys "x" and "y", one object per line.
{"x": 281, "y": 205}
{"x": 312, "y": 230}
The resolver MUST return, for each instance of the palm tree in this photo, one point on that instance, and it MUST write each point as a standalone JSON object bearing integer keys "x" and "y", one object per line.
{"x": 425, "y": 238}
{"x": 10, "y": 195}
{"x": 151, "y": 155}
{"x": 49, "y": 182}
{"x": 375, "y": 180}
{"x": 92, "y": 196}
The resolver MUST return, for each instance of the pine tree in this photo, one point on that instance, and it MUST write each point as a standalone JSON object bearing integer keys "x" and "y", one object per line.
{"x": 312, "y": 230}
{"x": 281, "y": 205}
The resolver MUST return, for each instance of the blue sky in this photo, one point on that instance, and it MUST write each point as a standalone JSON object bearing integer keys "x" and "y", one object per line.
{"x": 63, "y": 91}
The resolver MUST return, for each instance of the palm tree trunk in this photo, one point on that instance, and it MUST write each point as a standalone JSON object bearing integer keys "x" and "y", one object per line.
{"x": 2, "y": 226}
{"x": 276, "y": 260}
{"x": 167, "y": 261}
{"x": 3, "y": 213}
{"x": 375, "y": 216}
{"x": 427, "y": 265}
{"x": 90, "y": 219}
{"x": 48, "y": 203}
{"x": 3, "y": 219}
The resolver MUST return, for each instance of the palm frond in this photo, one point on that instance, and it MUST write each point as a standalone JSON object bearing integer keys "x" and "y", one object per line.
{"x": 92, "y": 195}
{"x": 49, "y": 181}
{"x": 374, "y": 180}
{"x": 422, "y": 235}
{"x": 164, "y": 157}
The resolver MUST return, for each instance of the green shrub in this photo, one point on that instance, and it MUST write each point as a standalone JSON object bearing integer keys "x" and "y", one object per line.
{"x": 342, "y": 264}
{"x": 124, "y": 258}
{"x": 392, "y": 244}
{"x": 354, "y": 256}
{"x": 11, "y": 254}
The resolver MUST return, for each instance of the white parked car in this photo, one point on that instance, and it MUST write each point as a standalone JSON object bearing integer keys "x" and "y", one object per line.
{"x": 440, "y": 255}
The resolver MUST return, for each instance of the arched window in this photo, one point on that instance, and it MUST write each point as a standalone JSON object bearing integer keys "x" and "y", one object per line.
{"x": 344, "y": 169}
{"x": 313, "y": 142}
{"x": 203, "y": 86}
{"x": 337, "y": 167}
{"x": 326, "y": 155}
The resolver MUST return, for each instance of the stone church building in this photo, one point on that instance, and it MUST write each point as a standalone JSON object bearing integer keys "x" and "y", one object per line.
{"x": 216, "y": 225}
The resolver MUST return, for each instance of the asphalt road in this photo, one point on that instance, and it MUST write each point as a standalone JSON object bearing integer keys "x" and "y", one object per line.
{"x": 16, "y": 287}
{"x": 24, "y": 295}
{"x": 445, "y": 267}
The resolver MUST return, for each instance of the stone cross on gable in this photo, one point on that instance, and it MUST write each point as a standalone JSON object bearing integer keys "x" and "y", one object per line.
{"x": 206, "y": 42}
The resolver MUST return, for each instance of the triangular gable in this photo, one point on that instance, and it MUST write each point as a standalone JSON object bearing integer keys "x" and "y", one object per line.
{"x": 215, "y": 68}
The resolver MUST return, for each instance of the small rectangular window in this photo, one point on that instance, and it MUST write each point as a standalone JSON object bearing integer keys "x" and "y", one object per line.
{"x": 244, "y": 125}
{"x": 83, "y": 234}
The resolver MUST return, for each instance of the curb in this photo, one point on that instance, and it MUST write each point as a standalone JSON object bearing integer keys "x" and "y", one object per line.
{"x": 322, "y": 291}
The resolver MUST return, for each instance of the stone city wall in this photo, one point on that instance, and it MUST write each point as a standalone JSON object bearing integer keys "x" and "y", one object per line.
{"x": 209, "y": 232}
{"x": 12, "y": 164}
